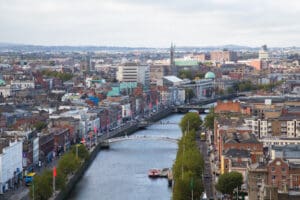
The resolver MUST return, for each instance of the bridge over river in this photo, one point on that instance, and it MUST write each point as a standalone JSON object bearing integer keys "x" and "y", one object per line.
{"x": 143, "y": 137}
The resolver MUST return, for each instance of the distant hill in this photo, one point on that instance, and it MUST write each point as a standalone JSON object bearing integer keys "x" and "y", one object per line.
{"x": 10, "y": 47}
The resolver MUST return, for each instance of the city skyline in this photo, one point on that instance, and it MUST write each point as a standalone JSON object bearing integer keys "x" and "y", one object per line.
{"x": 147, "y": 23}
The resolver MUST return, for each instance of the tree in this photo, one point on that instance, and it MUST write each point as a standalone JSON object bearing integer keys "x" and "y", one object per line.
{"x": 68, "y": 163}
{"x": 209, "y": 119}
{"x": 183, "y": 74}
{"x": 190, "y": 121}
{"x": 188, "y": 168}
{"x": 230, "y": 90}
{"x": 81, "y": 150}
{"x": 229, "y": 181}
{"x": 40, "y": 125}
{"x": 189, "y": 94}
{"x": 42, "y": 186}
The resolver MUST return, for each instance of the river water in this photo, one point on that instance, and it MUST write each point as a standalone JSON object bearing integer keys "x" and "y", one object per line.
{"x": 122, "y": 171}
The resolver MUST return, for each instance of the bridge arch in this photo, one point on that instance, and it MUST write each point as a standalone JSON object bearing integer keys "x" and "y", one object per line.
{"x": 143, "y": 137}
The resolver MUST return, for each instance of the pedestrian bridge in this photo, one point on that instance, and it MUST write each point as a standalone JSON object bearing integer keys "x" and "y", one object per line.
{"x": 142, "y": 137}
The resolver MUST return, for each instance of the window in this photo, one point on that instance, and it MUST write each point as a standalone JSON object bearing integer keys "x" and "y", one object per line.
{"x": 273, "y": 177}
{"x": 283, "y": 169}
{"x": 273, "y": 169}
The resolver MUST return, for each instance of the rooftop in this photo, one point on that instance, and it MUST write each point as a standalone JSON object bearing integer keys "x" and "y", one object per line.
{"x": 173, "y": 79}
{"x": 239, "y": 138}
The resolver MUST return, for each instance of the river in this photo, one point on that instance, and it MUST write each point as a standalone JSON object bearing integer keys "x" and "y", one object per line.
{"x": 121, "y": 171}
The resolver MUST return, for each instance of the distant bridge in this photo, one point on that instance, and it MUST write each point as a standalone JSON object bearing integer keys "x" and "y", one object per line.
{"x": 142, "y": 137}
{"x": 187, "y": 108}
{"x": 144, "y": 123}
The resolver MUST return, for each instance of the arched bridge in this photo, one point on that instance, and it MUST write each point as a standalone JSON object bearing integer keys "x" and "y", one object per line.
{"x": 144, "y": 123}
{"x": 187, "y": 108}
{"x": 142, "y": 137}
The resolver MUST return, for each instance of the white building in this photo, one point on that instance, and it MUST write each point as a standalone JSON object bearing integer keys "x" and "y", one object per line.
{"x": 6, "y": 90}
{"x": 261, "y": 128}
{"x": 263, "y": 53}
{"x": 22, "y": 84}
{"x": 134, "y": 72}
{"x": 293, "y": 128}
{"x": 271, "y": 141}
{"x": 10, "y": 164}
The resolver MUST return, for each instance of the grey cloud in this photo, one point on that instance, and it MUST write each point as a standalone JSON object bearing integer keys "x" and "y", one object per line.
{"x": 153, "y": 23}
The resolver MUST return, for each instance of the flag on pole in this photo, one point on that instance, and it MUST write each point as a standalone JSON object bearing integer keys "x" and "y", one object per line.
{"x": 54, "y": 172}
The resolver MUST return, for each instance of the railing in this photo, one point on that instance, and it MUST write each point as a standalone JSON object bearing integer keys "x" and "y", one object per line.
{"x": 143, "y": 137}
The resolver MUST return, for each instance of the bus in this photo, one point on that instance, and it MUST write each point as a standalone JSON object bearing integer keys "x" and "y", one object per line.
{"x": 203, "y": 136}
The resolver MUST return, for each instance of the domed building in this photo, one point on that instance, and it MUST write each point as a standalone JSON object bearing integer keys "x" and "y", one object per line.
{"x": 210, "y": 75}
{"x": 2, "y": 82}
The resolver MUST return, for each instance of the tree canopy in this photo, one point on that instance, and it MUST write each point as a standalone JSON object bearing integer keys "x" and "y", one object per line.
{"x": 67, "y": 164}
{"x": 229, "y": 181}
{"x": 190, "y": 121}
{"x": 189, "y": 94}
{"x": 188, "y": 168}
{"x": 60, "y": 75}
{"x": 209, "y": 119}
{"x": 189, "y": 163}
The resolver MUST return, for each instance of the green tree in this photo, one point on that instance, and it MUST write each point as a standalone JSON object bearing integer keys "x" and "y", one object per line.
{"x": 183, "y": 187}
{"x": 60, "y": 179}
{"x": 189, "y": 94}
{"x": 183, "y": 74}
{"x": 190, "y": 121}
{"x": 40, "y": 125}
{"x": 209, "y": 119}
{"x": 230, "y": 90}
{"x": 229, "y": 181}
{"x": 42, "y": 186}
{"x": 82, "y": 151}
{"x": 68, "y": 163}
{"x": 188, "y": 168}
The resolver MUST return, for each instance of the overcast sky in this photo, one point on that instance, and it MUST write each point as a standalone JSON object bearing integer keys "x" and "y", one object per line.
{"x": 152, "y": 23}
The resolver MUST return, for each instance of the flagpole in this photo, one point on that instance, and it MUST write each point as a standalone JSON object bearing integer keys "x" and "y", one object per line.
{"x": 54, "y": 175}
{"x": 53, "y": 185}
{"x": 33, "y": 189}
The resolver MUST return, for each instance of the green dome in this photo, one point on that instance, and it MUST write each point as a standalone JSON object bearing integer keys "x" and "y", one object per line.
{"x": 2, "y": 82}
{"x": 210, "y": 75}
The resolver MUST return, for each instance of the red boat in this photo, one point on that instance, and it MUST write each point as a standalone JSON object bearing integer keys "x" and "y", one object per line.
{"x": 154, "y": 173}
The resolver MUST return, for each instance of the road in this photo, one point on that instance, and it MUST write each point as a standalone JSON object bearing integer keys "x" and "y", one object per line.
{"x": 207, "y": 175}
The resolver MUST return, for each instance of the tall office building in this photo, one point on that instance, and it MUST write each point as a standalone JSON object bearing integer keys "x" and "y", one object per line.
{"x": 263, "y": 53}
{"x": 223, "y": 56}
{"x": 134, "y": 72}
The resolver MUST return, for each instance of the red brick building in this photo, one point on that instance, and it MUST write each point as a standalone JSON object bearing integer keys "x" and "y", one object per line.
{"x": 279, "y": 174}
{"x": 229, "y": 106}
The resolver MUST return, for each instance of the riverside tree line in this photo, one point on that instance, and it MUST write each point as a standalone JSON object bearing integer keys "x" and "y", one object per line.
{"x": 189, "y": 164}
{"x": 68, "y": 164}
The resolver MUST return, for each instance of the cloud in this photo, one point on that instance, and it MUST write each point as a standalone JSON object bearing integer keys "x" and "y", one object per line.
{"x": 150, "y": 23}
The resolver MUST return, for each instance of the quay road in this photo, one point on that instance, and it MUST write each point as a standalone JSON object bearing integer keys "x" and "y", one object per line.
{"x": 207, "y": 175}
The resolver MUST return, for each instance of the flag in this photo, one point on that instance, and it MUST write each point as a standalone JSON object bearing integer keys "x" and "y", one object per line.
{"x": 54, "y": 171}
{"x": 95, "y": 129}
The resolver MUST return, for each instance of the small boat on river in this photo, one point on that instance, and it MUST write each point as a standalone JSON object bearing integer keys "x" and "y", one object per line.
{"x": 154, "y": 173}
